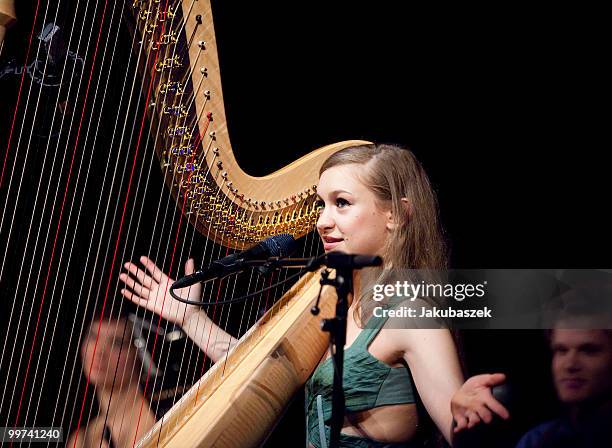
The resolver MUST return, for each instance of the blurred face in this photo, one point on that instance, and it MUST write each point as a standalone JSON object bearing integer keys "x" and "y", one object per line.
{"x": 582, "y": 364}
{"x": 350, "y": 219}
{"x": 110, "y": 354}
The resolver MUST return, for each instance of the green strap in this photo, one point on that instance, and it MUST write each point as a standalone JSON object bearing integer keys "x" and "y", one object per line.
{"x": 321, "y": 422}
{"x": 370, "y": 331}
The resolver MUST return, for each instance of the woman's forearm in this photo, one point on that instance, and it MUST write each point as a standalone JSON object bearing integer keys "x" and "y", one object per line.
{"x": 214, "y": 341}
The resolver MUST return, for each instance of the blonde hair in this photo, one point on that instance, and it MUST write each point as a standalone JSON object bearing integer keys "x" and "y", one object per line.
{"x": 393, "y": 173}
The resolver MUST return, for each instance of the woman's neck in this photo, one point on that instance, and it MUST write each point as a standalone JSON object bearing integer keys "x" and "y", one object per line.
{"x": 353, "y": 298}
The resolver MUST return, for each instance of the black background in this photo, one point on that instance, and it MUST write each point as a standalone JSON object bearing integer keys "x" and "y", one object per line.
{"x": 503, "y": 107}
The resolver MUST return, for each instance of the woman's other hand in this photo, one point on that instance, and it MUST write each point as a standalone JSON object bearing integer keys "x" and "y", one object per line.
{"x": 148, "y": 287}
{"x": 474, "y": 402}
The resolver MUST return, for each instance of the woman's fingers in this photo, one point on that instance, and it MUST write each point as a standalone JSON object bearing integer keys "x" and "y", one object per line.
{"x": 156, "y": 272}
{"x": 136, "y": 287}
{"x": 484, "y": 414}
{"x": 494, "y": 379}
{"x": 472, "y": 418}
{"x": 189, "y": 266}
{"x": 496, "y": 406}
{"x": 141, "y": 275}
{"x": 461, "y": 423}
{"x": 137, "y": 300}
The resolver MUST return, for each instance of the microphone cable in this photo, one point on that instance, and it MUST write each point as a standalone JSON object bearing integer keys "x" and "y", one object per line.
{"x": 237, "y": 299}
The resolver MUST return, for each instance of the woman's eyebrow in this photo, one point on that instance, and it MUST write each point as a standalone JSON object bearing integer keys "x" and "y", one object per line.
{"x": 335, "y": 192}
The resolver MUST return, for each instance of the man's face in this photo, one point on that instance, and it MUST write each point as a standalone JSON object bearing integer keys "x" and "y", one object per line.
{"x": 582, "y": 364}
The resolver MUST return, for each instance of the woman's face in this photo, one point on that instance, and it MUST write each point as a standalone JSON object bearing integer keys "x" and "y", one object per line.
{"x": 111, "y": 353}
{"x": 350, "y": 219}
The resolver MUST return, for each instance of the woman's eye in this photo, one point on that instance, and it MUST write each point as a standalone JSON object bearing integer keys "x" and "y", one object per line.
{"x": 340, "y": 202}
{"x": 319, "y": 205}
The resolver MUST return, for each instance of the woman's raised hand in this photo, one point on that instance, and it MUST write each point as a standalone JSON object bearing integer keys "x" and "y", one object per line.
{"x": 148, "y": 287}
{"x": 474, "y": 402}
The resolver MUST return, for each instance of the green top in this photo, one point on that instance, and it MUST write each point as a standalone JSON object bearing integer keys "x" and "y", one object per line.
{"x": 368, "y": 383}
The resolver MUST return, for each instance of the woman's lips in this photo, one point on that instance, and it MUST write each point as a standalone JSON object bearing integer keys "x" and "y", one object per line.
{"x": 329, "y": 242}
{"x": 329, "y": 246}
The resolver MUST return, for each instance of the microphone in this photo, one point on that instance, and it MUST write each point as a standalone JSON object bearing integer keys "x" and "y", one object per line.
{"x": 274, "y": 246}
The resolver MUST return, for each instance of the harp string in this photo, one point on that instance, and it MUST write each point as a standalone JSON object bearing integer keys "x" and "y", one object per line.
{"x": 119, "y": 233}
{"x": 14, "y": 120}
{"x": 173, "y": 252}
{"x": 129, "y": 227}
{"x": 40, "y": 310}
{"x": 105, "y": 219}
{"x": 156, "y": 335}
{"x": 97, "y": 253}
{"x": 196, "y": 145}
{"x": 116, "y": 324}
{"x": 107, "y": 165}
{"x": 6, "y": 207}
{"x": 80, "y": 206}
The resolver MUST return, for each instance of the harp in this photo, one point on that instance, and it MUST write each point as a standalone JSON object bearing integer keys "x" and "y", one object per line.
{"x": 239, "y": 399}
{"x": 175, "y": 52}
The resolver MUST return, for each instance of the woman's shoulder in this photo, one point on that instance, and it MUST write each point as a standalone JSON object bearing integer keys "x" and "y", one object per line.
{"x": 407, "y": 324}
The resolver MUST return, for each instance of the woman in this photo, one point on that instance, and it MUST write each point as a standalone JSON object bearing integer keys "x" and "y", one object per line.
{"x": 376, "y": 200}
{"x": 114, "y": 373}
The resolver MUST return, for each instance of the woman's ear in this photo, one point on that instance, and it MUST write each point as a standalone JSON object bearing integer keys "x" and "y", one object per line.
{"x": 392, "y": 222}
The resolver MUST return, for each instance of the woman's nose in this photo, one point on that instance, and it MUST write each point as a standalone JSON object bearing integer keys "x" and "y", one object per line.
{"x": 325, "y": 221}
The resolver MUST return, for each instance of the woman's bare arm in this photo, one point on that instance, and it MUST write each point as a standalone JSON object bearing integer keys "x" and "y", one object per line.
{"x": 432, "y": 357}
{"x": 213, "y": 340}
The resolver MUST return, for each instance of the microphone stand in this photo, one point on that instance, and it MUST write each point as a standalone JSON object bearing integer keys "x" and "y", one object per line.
{"x": 344, "y": 264}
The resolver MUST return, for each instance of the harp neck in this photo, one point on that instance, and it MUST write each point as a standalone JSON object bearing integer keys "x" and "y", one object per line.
{"x": 220, "y": 199}
{"x": 7, "y": 17}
